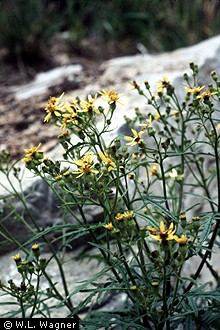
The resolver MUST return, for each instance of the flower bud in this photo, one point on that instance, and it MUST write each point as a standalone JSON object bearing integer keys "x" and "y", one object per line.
{"x": 42, "y": 264}
{"x": 147, "y": 85}
{"x": 36, "y": 250}
{"x": 17, "y": 258}
{"x": 143, "y": 232}
{"x": 117, "y": 143}
{"x": 186, "y": 77}
{"x": 104, "y": 170}
{"x": 151, "y": 131}
{"x": 124, "y": 149}
{"x": 183, "y": 220}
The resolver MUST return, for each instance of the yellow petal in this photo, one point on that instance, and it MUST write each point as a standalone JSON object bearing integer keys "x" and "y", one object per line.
{"x": 162, "y": 226}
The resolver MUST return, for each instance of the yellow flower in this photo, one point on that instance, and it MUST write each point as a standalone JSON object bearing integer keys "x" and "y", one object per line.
{"x": 153, "y": 169}
{"x": 157, "y": 116}
{"x": 131, "y": 176}
{"x": 133, "y": 288}
{"x": 162, "y": 84}
{"x": 67, "y": 173}
{"x": 54, "y": 107}
{"x": 74, "y": 104}
{"x": 181, "y": 240}
{"x": 17, "y": 257}
{"x": 182, "y": 216}
{"x": 135, "y": 139}
{"x": 196, "y": 218}
{"x": 70, "y": 116}
{"x": 133, "y": 84}
{"x": 148, "y": 123}
{"x": 89, "y": 106}
{"x": 206, "y": 95}
{"x": 63, "y": 134}
{"x": 194, "y": 90}
{"x": 173, "y": 174}
{"x": 111, "y": 96}
{"x": 35, "y": 247}
{"x": 177, "y": 113}
{"x": 162, "y": 234}
{"x": 36, "y": 250}
{"x": 139, "y": 155}
{"x": 85, "y": 165}
{"x": 108, "y": 162}
{"x": 108, "y": 226}
{"x": 119, "y": 217}
{"x": 126, "y": 215}
{"x": 30, "y": 153}
{"x": 58, "y": 177}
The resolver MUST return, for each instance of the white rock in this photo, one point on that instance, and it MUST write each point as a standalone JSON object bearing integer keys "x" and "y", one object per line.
{"x": 151, "y": 67}
{"x": 44, "y": 80}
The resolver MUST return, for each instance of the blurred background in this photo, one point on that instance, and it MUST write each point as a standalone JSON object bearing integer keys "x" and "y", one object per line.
{"x": 101, "y": 29}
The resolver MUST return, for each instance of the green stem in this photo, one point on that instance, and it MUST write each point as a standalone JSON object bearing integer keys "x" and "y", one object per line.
{"x": 181, "y": 183}
{"x": 202, "y": 182}
{"x": 140, "y": 263}
{"x": 106, "y": 258}
{"x": 35, "y": 297}
{"x": 22, "y": 307}
{"x": 206, "y": 255}
{"x": 165, "y": 298}
{"x": 125, "y": 263}
{"x": 164, "y": 182}
{"x": 217, "y": 163}
{"x": 176, "y": 288}
{"x": 215, "y": 231}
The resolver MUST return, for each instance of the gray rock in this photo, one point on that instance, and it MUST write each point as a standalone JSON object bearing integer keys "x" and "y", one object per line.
{"x": 42, "y": 213}
{"x": 172, "y": 64}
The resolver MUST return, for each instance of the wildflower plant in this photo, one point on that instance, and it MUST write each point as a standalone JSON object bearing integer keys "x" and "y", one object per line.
{"x": 27, "y": 293}
{"x": 159, "y": 192}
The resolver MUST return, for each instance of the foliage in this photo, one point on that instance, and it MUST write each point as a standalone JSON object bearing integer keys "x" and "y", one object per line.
{"x": 26, "y": 27}
{"x": 158, "y": 25}
{"x": 160, "y": 202}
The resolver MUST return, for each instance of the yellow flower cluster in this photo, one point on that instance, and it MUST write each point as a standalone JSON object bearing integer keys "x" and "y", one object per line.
{"x": 196, "y": 91}
{"x": 69, "y": 112}
{"x": 119, "y": 217}
{"x": 32, "y": 153}
{"x": 109, "y": 163}
{"x": 125, "y": 215}
{"x": 111, "y": 96}
{"x": 85, "y": 165}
